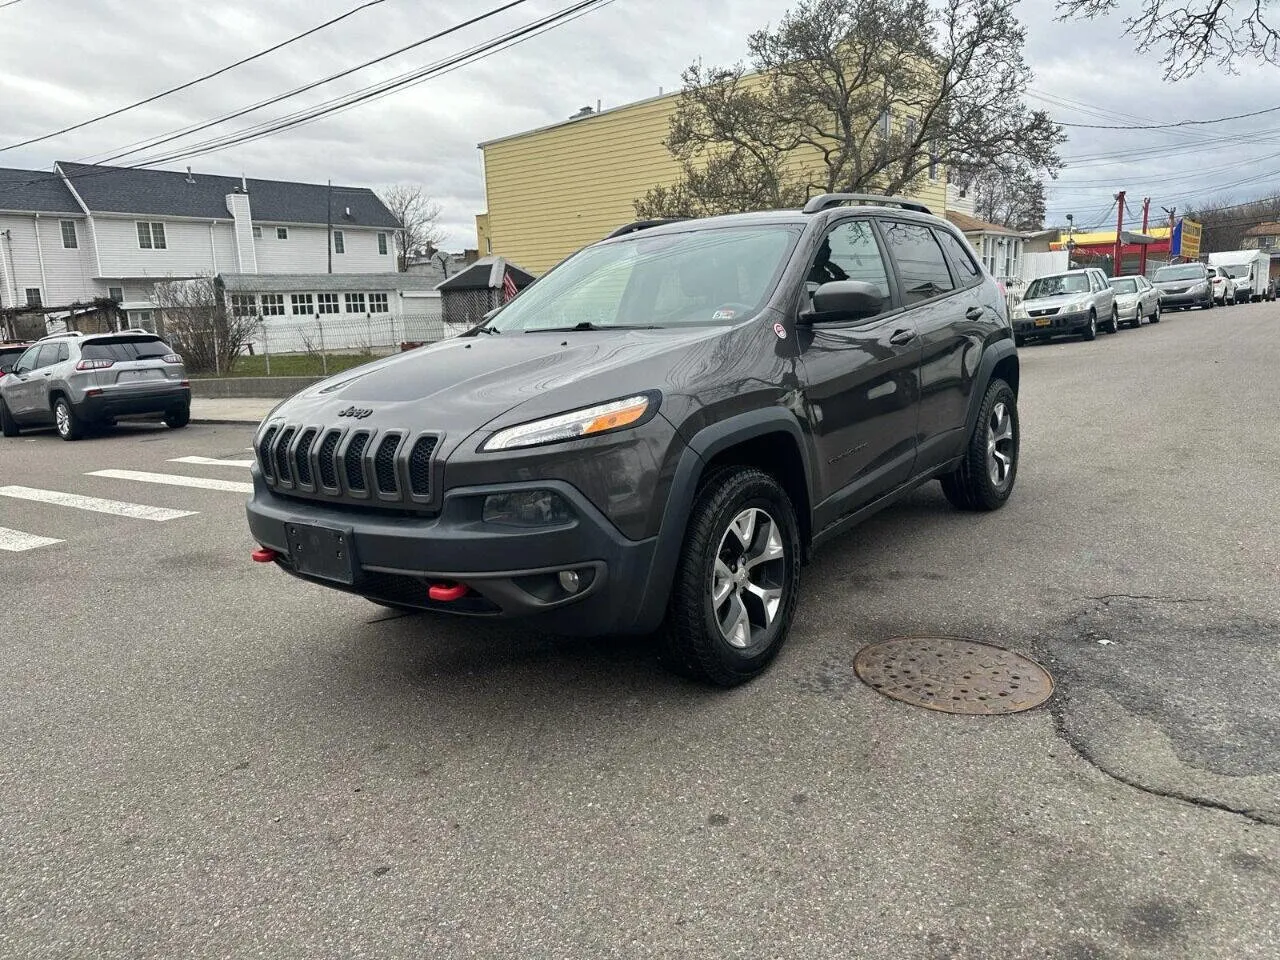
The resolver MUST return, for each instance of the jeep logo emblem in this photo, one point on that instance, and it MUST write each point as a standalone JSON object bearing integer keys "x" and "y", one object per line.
{"x": 358, "y": 412}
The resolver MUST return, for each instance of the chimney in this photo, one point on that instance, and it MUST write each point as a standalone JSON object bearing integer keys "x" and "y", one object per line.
{"x": 244, "y": 184}
{"x": 190, "y": 178}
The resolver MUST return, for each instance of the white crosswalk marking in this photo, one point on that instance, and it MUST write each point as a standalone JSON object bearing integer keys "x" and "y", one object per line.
{"x": 137, "y": 511}
{"x": 173, "y": 480}
{"x": 212, "y": 462}
{"x": 15, "y": 541}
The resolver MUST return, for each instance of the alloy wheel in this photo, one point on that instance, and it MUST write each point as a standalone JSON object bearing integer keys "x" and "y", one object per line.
{"x": 747, "y": 577}
{"x": 63, "y": 418}
{"x": 1000, "y": 445}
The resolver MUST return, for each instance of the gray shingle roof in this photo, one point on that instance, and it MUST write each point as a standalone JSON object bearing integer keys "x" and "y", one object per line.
{"x": 37, "y": 190}
{"x": 324, "y": 282}
{"x": 486, "y": 274}
{"x": 168, "y": 193}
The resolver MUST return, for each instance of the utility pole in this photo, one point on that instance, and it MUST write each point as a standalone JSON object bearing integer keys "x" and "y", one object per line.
{"x": 1172, "y": 214}
{"x": 329, "y": 223}
{"x": 1119, "y": 248}
{"x": 1142, "y": 257}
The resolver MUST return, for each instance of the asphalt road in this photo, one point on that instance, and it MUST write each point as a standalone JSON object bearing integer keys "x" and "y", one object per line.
{"x": 200, "y": 757}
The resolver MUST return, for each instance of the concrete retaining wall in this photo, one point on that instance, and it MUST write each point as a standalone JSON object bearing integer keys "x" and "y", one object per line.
{"x": 269, "y": 387}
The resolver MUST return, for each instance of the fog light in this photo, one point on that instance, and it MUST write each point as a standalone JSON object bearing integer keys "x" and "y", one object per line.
{"x": 569, "y": 581}
{"x": 527, "y": 508}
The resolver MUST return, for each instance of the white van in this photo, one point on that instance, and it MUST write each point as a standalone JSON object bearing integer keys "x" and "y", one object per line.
{"x": 1251, "y": 270}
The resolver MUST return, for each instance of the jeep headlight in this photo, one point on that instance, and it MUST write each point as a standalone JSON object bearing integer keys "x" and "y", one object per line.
{"x": 587, "y": 422}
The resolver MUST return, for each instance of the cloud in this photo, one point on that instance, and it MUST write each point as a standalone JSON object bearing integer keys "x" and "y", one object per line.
{"x": 112, "y": 52}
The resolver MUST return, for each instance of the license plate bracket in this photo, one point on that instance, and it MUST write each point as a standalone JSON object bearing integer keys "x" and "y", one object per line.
{"x": 324, "y": 552}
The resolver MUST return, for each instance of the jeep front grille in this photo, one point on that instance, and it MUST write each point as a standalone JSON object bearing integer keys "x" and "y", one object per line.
{"x": 342, "y": 464}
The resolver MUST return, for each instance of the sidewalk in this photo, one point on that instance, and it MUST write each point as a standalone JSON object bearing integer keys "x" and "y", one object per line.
{"x": 248, "y": 410}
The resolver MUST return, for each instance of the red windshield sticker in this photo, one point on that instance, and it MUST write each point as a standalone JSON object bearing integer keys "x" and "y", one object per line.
{"x": 780, "y": 330}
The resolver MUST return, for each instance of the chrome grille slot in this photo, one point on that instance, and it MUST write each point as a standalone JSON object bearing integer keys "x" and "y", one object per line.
{"x": 283, "y": 474}
{"x": 420, "y": 466}
{"x": 302, "y": 457}
{"x": 353, "y": 462}
{"x": 329, "y": 465}
{"x": 384, "y": 464}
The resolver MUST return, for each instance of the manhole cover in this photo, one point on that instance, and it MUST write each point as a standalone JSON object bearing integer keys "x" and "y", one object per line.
{"x": 953, "y": 675}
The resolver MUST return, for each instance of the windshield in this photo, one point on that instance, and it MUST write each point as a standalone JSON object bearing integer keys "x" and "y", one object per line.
{"x": 1235, "y": 273}
{"x": 698, "y": 277}
{"x": 126, "y": 348}
{"x": 1124, "y": 286}
{"x": 1184, "y": 271}
{"x": 1056, "y": 286}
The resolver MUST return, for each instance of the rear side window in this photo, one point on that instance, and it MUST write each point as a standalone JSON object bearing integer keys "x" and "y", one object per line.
{"x": 126, "y": 348}
{"x": 967, "y": 272}
{"x": 922, "y": 266}
{"x": 9, "y": 357}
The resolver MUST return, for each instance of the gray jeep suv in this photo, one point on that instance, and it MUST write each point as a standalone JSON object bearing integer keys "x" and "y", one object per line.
{"x": 658, "y": 432}
{"x": 70, "y": 381}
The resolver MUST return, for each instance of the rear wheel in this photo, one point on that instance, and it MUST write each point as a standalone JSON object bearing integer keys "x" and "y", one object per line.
{"x": 985, "y": 479}
{"x": 70, "y": 427}
{"x": 8, "y": 425}
{"x": 178, "y": 418}
{"x": 737, "y": 579}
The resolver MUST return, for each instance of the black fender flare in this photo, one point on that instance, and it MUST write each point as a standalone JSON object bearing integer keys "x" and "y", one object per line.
{"x": 986, "y": 369}
{"x": 703, "y": 447}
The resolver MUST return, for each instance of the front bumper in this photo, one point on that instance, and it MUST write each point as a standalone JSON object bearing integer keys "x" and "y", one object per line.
{"x": 1185, "y": 300}
{"x": 133, "y": 403}
{"x": 395, "y": 557}
{"x": 1060, "y": 324}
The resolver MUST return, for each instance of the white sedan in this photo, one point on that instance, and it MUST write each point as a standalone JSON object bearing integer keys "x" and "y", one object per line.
{"x": 1136, "y": 299}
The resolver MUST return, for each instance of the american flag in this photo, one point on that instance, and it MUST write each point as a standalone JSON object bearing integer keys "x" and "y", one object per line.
{"x": 508, "y": 286}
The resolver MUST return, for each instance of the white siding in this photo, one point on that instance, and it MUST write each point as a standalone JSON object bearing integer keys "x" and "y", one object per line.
{"x": 306, "y": 251}
{"x": 187, "y": 252}
{"x": 68, "y": 274}
{"x": 224, "y": 239}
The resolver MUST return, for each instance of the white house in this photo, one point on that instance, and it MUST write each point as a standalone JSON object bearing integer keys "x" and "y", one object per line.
{"x": 85, "y": 232}
{"x": 999, "y": 247}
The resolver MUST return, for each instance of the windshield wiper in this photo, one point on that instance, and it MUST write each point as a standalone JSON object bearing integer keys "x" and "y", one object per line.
{"x": 588, "y": 325}
{"x": 490, "y": 330}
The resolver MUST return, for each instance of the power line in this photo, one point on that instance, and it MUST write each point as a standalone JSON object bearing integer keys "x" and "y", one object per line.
{"x": 1170, "y": 126}
{"x": 10, "y": 3}
{"x": 191, "y": 83}
{"x": 140, "y": 146}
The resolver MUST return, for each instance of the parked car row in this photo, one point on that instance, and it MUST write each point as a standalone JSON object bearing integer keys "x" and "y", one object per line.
{"x": 73, "y": 382}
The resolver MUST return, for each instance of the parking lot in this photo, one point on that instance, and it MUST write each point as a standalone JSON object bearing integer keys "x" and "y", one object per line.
{"x": 201, "y": 757}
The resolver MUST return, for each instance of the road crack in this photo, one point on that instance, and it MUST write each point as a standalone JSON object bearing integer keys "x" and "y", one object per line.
{"x": 1106, "y": 598}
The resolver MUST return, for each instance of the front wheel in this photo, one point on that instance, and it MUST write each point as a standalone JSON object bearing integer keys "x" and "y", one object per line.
{"x": 737, "y": 579}
{"x": 1114, "y": 325}
{"x": 70, "y": 427}
{"x": 1091, "y": 331}
{"x": 8, "y": 425}
{"x": 985, "y": 479}
{"x": 1155, "y": 313}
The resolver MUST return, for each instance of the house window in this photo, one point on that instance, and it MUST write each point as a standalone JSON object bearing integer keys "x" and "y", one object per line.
{"x": 328, "y": 302}
{"x": 69, "y": 234}
{"x": 273, "y": 304}
{"x": 934, "y": 170}
{"x": 377, "y": 303}
{"x": 33, "y": 297}
{"x": 355, "y": 303}
{"x": 911, "y": 129}
{"x": 257, "y": 233}
{"x": 339, "y": 245}
{"x": 244, "y": 305}
{"x": 302, "y": 304}
{"x": 151, "y": 236}
{"x": 382, "y": 244}
{"x": 885, "y": 123}
{"x": 116, "y": 294}
{"x": 282, "y": 233}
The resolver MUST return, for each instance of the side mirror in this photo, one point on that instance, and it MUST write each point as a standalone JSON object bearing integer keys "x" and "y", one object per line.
{"x": 844, "y": 300}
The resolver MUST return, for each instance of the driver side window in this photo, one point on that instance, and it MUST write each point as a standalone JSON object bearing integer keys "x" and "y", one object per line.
{"x": 850, "y": 251}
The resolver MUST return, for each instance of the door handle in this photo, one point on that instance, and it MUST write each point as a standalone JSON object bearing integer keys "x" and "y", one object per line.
{"x": 974, "y": 313}
{"x": 49, "y": 374}
{"x": 902, "y": 336}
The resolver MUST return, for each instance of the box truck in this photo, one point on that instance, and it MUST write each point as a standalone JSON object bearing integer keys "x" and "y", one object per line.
{"x": 1251, "y": 270}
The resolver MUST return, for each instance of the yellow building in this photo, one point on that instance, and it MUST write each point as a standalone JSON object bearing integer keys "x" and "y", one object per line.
{"x": 553, "y": 190}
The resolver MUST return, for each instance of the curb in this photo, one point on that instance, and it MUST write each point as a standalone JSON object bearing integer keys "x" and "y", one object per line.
{"x": 228, "y": 422}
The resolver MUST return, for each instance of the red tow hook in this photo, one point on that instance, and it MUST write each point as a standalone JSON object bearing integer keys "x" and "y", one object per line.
{"x": 445, "y": 593}
{"x": 264, "y": 555}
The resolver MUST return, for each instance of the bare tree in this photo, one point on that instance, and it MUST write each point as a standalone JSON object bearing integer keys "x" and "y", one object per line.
{"x": 419, "y": 218}
{"x": 872, "y": 95}
{"x": 1225, "y": 224}
{"x": 198, "y": 325}
{"x": 1191, "y": 33}
{"x": 1009, "y": 195}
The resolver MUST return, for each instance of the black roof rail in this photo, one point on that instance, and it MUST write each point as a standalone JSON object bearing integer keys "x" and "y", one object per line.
{"x": 639, "y": 225}
{"x": 828, "y": 200}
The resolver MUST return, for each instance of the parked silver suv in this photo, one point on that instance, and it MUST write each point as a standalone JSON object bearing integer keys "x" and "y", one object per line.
{"x": 70, "y": 381}
{"x": 1074, "y": 302}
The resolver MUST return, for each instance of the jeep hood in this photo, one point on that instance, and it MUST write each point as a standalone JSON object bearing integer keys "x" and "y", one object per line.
{"x": 464, "y": 383}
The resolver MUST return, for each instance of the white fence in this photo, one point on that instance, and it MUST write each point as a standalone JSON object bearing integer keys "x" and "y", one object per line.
{"x": 346, "y": 334}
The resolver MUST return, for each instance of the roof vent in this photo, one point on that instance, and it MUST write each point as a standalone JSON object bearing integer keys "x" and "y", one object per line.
{"x": 347, "y": 213}
{"x": 190, "y": 178}
{"x": 584, "y": 112}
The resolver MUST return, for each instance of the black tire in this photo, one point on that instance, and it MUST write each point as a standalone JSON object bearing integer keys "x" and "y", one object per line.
{"x": 971, "y": 485}
{"x": 693, "y": 641}
{"x": 65, "y": 421}
{"x": 1091, "y": 331}
{"x": 177, "y": 419}
{"x": 1019, "y": 341}
{"x": 1155, "y": 314}
{"x": 8, "y": 425}
{"x": 1114, "y": 325}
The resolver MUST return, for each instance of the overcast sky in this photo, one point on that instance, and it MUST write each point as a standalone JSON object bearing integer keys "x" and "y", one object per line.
{"x": 67, "y": 60}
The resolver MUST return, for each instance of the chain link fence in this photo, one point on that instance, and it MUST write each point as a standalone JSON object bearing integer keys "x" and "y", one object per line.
{"x": 319, "y": 345}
